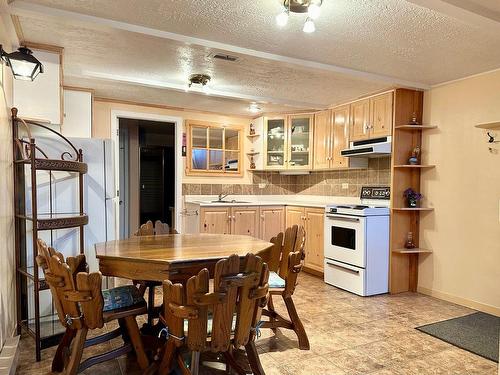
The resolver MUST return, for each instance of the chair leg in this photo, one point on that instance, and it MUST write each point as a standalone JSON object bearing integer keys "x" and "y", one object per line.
{"x": 253, "y": 358}
{"x": 58, "y": 361}
{"x": 135, "y": 338}
{"x": 195, "y": 363}
{"x": 298, "y": 327}
{"x": 168, "y": 358}
{"x": 232, "y": 364}
{"x": 151, "y": 304}
{"x": 76, "y": 352}
{"x": 270, "y": 306}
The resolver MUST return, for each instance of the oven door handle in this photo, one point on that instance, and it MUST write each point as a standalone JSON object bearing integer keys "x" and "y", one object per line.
{"x": 344, "y": 218}
{"x": 343, "y": 268}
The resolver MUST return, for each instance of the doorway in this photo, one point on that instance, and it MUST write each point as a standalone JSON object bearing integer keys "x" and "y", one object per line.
{"x": 147, "y": 173}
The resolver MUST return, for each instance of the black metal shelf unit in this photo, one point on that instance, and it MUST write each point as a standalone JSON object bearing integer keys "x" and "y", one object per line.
{"x": 46, "y": 330}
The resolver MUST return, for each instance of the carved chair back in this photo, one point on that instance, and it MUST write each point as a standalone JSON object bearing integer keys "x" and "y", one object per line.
{"x": 75, "y": 292}
{"x": 233, "y": 308}
{"x": 287, "y": 255}
{"x": 148, "y": 229}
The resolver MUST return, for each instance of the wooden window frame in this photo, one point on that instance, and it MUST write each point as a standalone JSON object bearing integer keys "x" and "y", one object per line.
{"x": 190, "y": 124}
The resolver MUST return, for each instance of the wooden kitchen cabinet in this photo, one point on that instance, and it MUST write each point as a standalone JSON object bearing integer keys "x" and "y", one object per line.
{"x": 381, "y": 115}
{"x": 272, "y": 221}
{"x": 322, "y": 139}
{"x": 312, "y": 219}
{"x": 215, "y": 220}
{"x": 331, "y": 136}
{"x": 245, "y": 221}
{"x": 372, "y": 117}
{"x": 288, "y": 142}
{"x": 360, "y": 116}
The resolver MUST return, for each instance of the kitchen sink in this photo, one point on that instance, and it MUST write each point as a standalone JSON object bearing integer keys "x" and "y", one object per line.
{"x": 232, "y": 201}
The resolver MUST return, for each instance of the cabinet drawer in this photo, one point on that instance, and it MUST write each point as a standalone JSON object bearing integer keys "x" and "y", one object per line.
{"x": 345, "y": 276}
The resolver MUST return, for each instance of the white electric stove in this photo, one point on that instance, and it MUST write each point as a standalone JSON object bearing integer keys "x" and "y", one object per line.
{"x": 357, "y": 243}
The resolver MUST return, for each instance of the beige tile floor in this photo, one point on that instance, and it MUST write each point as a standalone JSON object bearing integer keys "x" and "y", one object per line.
{"x": 348, "y": 335}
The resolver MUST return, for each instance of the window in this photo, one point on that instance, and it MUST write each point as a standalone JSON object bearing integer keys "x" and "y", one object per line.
{"x": 214, "y": 148}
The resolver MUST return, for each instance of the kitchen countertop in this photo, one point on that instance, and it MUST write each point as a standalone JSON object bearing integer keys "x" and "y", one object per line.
{"x": 269, "y": 200}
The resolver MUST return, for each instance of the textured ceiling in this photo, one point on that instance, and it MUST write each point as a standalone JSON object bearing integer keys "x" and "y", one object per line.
{"x": 390, "y": 38}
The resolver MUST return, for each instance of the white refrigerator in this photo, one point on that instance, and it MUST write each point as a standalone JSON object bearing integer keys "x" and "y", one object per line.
{"x": 99, "y": 197}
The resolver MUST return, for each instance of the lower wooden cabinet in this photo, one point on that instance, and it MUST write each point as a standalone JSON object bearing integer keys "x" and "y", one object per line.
{"x": 216, "y": 220}
{"x": 312, "y": 219}
{"x": 245, "y": 221}
{"x": 262, "y": 222}
{"x": 272, "y": 221}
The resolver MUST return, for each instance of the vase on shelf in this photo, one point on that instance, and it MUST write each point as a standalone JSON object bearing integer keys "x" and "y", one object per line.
{"x": 412, "y": 202}
{"x": 409, "y": 244}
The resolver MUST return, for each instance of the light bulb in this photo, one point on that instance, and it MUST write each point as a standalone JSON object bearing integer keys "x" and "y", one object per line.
{"x": 309, "y": 26}
{"x": 282, "y": 18}
{"x": 313, "y": 11}
{"x": 206, "y": 89}
{"x": 254, "y": 108}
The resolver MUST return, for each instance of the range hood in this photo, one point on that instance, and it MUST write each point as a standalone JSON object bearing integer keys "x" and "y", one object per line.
{"x": 369, "y": 148}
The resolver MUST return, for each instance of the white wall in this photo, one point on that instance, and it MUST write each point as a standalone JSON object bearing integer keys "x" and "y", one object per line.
{"x": 464, "y": 189}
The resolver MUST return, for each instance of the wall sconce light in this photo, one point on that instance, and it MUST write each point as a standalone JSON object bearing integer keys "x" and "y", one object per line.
{"x": 23, "y": 64}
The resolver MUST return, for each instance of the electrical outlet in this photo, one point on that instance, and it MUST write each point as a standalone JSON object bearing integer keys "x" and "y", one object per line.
{"x": 262, "y": 186}
{"x": 345, "y": 186}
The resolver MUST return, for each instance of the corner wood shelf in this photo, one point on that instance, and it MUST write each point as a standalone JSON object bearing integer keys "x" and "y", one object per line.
{"x": 253, "y": 153}
{"x": 415, "y": 127}
{"x": 412, "y": 251}
{"x": 412, "y": 166}
{"x": 253, "y": 135}
{"x": 489, "y": 126}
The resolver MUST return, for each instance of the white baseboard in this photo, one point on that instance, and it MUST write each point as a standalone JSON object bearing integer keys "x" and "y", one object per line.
{"x": 494, "y": 310}
{"x": 9, "y": 356}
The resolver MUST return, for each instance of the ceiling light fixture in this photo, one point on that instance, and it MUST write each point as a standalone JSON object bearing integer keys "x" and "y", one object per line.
{"x": 254, "y": 108}
{"x": 311, "y": 7}
{"x": 23, "y": 64}
{"x": 200, "y": 81}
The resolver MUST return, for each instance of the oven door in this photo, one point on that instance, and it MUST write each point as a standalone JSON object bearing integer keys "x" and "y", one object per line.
{"x": 345, "y": 239}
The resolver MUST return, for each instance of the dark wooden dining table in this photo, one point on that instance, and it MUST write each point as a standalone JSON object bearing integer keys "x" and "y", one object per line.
{"x": 174, "y": 257}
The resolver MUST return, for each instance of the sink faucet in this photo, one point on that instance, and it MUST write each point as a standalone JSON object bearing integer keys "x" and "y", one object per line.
{"x": 222, "y": 196}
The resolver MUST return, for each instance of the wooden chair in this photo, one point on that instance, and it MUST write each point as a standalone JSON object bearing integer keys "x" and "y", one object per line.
{"x": 233, "y": 309}
{"x": 148, "y": 229}
{"x": 82, "y": 306}
{"x": 285, "y": 264}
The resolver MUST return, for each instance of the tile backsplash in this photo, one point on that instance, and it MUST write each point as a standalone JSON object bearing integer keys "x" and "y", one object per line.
{"x": 316, "y": 183}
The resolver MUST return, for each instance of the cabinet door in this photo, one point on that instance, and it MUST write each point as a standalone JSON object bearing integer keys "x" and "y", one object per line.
{"x": 215, "y": 220}
{"x": 322, "y": 150}
{"x": 272, "y": 222}
{"x": 314, "y": 238}
{"x": 245, "y": 221}
{"x": 340, "y": 136}
{"x": 275, "y": 143}
{"x": 360, "y": 112}
{"x": 381, "y": 115}
{"x": 294, "y": 216}
{"x": 300, "y": 142}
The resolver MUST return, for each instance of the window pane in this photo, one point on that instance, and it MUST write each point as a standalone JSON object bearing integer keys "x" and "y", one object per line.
{"x": 215, "y": 137}
{"x": 232, "y": 139}
{"x": 232, "y": 161}
{"x": 199, "y": 159}
{"x": 215, "y": 160}
{"x": 199, "y": 137}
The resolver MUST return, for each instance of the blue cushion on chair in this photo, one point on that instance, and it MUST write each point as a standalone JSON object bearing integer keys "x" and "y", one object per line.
{"x": 121, "y": 297}
{"x": 275, "y": 281}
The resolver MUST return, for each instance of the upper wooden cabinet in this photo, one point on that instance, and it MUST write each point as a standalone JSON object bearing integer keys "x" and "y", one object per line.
{"x": 288, "y": 142}
{"x": 372, "y": 117}
{"x": 331, "y": 135}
